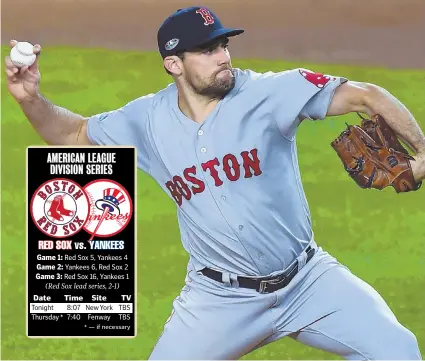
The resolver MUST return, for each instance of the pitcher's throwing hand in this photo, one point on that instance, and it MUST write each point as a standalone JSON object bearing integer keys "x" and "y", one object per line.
{"x": 23, "y": 83}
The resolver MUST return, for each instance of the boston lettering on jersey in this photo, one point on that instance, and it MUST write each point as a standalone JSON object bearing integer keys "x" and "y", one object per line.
{"x": 247, "y": 165}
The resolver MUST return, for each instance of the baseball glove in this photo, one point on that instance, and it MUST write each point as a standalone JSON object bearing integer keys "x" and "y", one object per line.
{"x": 373, "y": 156}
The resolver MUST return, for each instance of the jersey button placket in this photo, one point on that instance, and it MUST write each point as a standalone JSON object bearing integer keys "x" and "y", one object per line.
{"x": 203, "y": 149}
{"x": 223, "y": 198}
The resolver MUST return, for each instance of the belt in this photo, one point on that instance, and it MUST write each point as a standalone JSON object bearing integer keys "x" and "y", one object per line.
{"x": 264, "y": 284}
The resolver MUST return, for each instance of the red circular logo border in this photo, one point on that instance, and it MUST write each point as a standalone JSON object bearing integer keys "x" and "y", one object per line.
{"x": 32, "y": 201}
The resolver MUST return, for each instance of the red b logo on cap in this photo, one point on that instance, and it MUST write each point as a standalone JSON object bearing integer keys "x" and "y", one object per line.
{"x": 206, "y": 15}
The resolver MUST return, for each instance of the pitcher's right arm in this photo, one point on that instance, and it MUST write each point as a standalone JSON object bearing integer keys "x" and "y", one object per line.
{"x": 127, "y": 125}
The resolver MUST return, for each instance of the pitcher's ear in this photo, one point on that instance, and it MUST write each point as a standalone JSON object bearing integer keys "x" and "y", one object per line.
{"x": 173, "y": 64}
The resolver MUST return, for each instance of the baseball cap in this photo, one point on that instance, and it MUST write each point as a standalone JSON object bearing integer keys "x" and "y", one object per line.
{"x": 189, "y": 28}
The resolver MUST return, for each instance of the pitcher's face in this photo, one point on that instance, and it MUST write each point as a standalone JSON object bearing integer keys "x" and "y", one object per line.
{"x": 208, "y": 71}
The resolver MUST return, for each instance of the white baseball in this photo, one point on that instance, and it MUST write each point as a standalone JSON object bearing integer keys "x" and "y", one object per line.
{"x": 22, "y": 54}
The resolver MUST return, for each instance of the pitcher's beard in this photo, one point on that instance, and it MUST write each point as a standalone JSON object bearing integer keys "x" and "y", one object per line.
{"x": 218, "y": 88}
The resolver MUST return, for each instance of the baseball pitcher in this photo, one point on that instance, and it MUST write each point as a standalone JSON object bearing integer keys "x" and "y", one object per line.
{"x": 220, "y": 141}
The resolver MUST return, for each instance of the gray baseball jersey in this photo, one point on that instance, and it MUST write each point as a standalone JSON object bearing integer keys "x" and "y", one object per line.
{"x": 242, "y": 210}
{"x": 235, "y": 177}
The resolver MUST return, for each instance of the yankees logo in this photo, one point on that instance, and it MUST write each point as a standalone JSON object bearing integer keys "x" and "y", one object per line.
{"x": 111, "y": 208}
{"x": 206, "y": 16}
{"x": 59, "y": 208}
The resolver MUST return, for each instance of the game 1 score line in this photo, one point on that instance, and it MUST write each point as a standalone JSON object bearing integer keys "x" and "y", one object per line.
{"x": 81, "y": 308}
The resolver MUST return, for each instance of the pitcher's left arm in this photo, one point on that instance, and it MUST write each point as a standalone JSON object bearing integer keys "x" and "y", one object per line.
{"x": 371, "y": 99}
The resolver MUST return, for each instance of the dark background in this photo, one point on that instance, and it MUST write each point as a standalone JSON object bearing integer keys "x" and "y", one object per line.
{"x": 38, "y": 173}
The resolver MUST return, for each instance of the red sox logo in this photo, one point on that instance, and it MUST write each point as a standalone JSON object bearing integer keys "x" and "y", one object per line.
{"x": 209, "y": 20}
{"x": 189, "y": 185}
{"x": 317, "y": 79}
{"x": 59, "y": 208}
